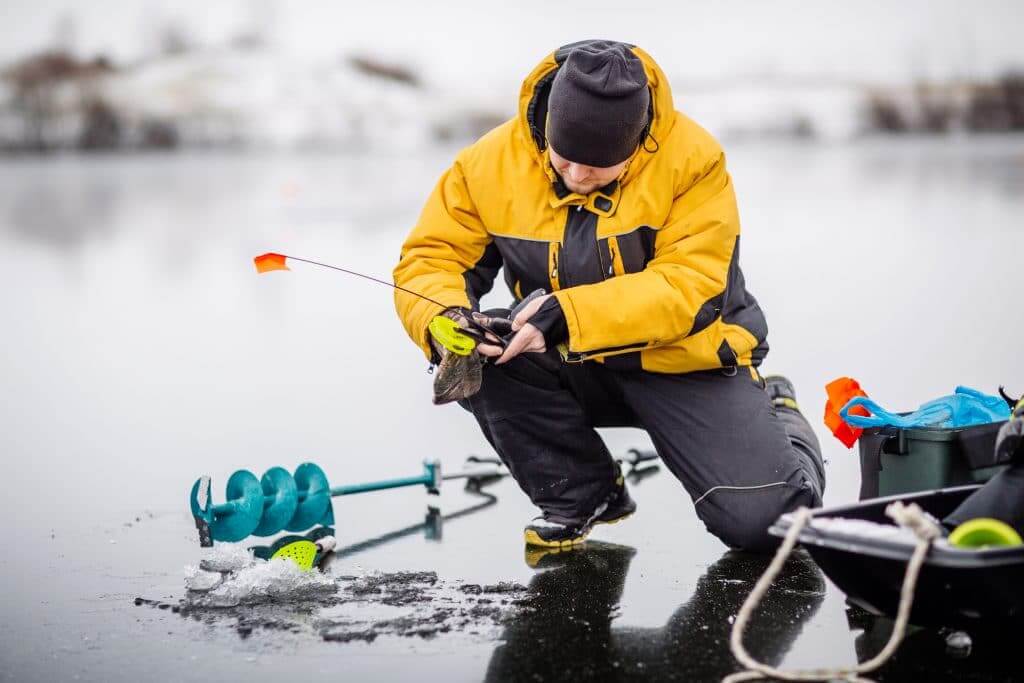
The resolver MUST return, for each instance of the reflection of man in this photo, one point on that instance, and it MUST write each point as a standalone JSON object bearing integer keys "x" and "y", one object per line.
{"x": 601, "y": 193}
{"x": 567, "y": 633}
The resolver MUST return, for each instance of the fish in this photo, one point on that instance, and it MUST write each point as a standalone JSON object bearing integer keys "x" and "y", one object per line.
{"x": 457, "y": 377}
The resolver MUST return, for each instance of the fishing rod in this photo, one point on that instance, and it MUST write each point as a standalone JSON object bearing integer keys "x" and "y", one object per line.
{"x": 450, "y": 333}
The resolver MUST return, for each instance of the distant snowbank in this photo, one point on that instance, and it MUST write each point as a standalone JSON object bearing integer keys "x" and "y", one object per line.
{"x": 227, "y": 97}
{"x": 258, "y": 97}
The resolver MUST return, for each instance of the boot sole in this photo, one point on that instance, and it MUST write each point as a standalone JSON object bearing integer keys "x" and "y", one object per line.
{"x": 532, "y": 538}
{"x": 617, "y": 519}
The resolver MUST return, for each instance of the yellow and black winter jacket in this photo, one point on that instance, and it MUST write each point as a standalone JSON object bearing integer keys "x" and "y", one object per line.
{"x": 645, "y": 269}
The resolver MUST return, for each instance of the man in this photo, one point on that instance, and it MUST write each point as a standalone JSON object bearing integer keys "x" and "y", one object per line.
{"x": 599, "y": 192}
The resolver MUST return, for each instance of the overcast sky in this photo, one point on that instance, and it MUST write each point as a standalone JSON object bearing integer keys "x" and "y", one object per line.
{"x": 491, "y": 49}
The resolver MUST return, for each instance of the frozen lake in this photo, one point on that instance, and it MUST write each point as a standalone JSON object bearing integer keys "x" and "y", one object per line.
{"x": 140, "y": 350}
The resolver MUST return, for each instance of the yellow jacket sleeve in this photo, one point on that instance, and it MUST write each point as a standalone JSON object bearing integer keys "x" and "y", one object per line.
{"x": 664, "y": 302}
{"x": 449, "y": 239}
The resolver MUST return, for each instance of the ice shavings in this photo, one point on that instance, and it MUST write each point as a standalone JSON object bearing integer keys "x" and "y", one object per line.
{"x": 244, "y": 580}
{"x": 226, "y": 557}
{"x": 201, "y": 581}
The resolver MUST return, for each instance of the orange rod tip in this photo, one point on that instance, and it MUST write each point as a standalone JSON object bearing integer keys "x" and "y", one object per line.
{"x": 270, "y": 261}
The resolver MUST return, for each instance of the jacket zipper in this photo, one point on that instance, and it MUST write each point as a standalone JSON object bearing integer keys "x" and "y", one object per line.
{"x": 605, "y": 272}
{"x": 556, "y": 273}
{"x": 579, "y": 357}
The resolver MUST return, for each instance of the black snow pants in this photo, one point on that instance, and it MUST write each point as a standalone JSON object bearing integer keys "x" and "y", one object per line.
{"x": 742, "y": 460}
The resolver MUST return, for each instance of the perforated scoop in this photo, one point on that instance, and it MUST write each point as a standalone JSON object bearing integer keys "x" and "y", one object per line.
{"x": 302, "y": 552}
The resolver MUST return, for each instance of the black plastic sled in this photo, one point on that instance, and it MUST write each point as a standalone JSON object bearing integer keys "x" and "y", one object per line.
{"x": 976, "y": 588}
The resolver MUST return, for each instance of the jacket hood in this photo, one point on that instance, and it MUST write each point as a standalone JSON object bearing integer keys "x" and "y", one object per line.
{"x": 533, "y": 98}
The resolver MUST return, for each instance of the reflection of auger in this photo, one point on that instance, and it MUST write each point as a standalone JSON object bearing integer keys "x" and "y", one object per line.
{"x": 281, "y": 501}
{"x": 432, "y": 525}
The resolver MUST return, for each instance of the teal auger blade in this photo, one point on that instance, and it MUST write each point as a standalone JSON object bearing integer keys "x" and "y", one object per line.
{"x": 317, "y": 499}
{"x": 281, "y": 497}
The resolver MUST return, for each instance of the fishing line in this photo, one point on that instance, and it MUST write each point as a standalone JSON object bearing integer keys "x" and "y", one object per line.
{"x": 368, "y": 277}
{"x": 448, "y": 332}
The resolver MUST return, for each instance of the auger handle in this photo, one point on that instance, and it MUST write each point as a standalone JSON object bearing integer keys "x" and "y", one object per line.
{"x": 635, "y": 456}
{"x": 476, "y": 474}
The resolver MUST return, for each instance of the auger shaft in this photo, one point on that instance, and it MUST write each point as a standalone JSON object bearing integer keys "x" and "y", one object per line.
{"x": 430, "y": 478}
{"x": 234, "y": 506}
{"x": 426, "y": 479}
{"x": 227, "y": 508}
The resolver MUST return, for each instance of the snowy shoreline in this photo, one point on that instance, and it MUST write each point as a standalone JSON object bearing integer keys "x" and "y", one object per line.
{"x": 258, "y": 98}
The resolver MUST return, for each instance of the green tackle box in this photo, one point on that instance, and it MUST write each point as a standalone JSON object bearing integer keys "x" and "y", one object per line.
{"x": 894, "y": 460}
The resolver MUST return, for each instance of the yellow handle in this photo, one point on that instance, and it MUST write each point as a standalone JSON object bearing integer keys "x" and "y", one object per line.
{"x": 449, "y": 335}
{"x": 984, "y": 532}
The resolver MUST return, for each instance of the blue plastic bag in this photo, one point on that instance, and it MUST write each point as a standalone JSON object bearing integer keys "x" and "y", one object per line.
{"x": 963, "y": 408}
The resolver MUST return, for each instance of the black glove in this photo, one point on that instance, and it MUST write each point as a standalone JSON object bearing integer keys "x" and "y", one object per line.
{"x": 550, "y": 320}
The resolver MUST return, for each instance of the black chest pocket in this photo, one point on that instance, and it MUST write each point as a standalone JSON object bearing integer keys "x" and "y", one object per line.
{"x": 526, "y": 264}
{"x": 636, "y": 248}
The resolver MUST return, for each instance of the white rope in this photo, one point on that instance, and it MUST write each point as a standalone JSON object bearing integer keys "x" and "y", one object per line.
{"x": 909, "y": 516}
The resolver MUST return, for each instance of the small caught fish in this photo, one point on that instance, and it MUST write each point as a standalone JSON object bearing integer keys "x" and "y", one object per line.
{"x": 457, "y": 377}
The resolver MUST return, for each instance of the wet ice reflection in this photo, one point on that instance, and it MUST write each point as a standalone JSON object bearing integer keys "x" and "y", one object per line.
{"x": 141, "y": 351}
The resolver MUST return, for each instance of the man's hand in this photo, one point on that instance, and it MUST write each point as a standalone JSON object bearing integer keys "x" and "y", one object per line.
{"x": 490, "y": 350}
{"x": 528, "y": 339}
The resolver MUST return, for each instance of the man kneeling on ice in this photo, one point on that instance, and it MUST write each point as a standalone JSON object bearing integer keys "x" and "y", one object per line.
{"x": 601, "y": 193}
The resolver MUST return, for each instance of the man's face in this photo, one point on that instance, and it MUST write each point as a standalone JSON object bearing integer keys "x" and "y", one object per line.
{"x": 584, "y": 179}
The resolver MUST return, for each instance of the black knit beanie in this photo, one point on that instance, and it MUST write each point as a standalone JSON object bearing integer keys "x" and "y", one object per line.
{"x": 598, "y": 106}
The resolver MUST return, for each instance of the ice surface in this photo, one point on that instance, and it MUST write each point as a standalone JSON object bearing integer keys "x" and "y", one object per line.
{"x": 181, "y": 229}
